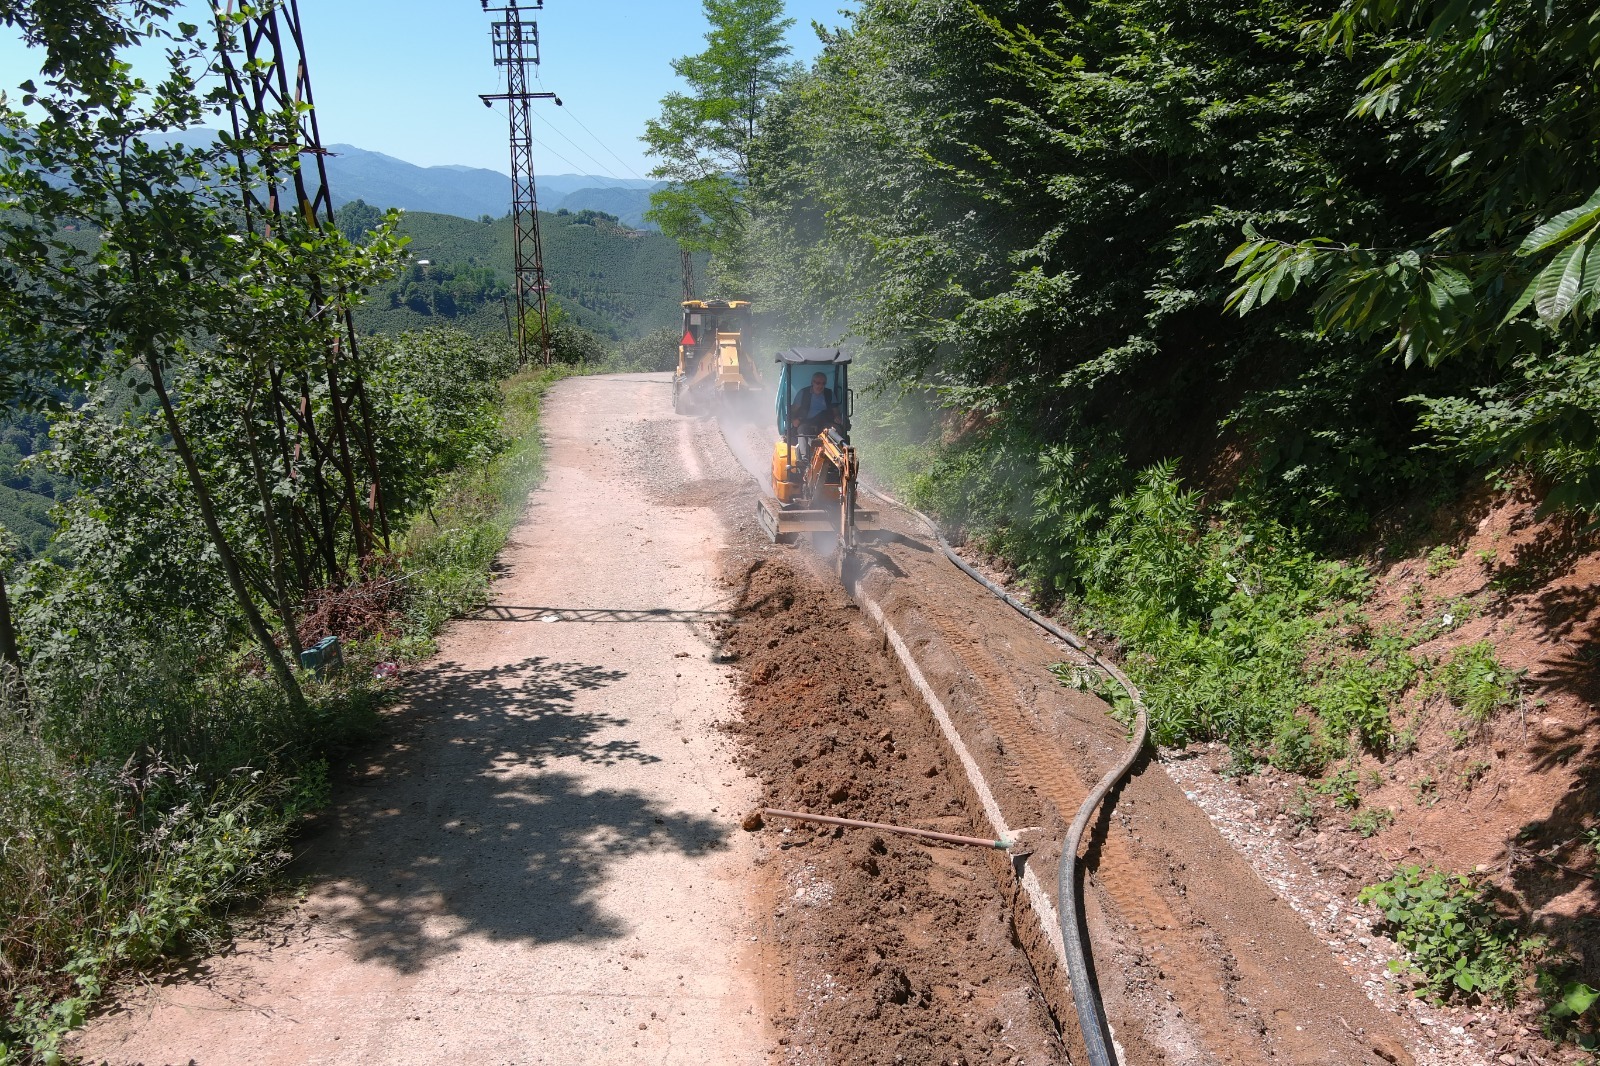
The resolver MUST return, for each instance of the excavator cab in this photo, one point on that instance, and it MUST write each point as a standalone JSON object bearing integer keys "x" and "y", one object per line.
{"x": 814, "y": 466}
{"x": 800, "y": 407}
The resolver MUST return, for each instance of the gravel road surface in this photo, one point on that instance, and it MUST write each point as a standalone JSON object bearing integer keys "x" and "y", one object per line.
{"x": 544, "y": 865}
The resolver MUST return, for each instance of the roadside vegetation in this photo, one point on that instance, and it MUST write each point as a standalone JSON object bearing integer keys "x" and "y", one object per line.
{"x": 207, "y": 481}
{"x": 150, "y": 784}
{"x": 1194, "y": 319}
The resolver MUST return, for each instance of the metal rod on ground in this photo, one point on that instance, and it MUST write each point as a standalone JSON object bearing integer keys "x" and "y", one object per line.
{"x": 856, "y": 823}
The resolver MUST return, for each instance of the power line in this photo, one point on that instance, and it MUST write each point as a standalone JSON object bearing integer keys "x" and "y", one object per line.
{"x": 586, "y": 155}
{"x": 576, "y": 169}
{"x": 604, "y": 145}
{"x": 592, "y": 136}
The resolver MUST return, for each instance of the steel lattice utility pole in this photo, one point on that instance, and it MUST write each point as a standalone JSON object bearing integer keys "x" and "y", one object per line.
{"x": 516, "y": 48}
{"x": 276, "y": 81}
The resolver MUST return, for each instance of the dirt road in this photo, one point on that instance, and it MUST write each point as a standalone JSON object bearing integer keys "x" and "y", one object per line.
{"x": 546, "y": 865}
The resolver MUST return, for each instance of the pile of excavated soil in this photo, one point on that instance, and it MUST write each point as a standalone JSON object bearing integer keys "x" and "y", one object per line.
{"x": 882, "y": 949}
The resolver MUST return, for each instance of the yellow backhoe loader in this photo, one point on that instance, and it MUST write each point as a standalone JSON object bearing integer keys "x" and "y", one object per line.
{"x": 714, "y": 360}
{"x": 815, "y": 472}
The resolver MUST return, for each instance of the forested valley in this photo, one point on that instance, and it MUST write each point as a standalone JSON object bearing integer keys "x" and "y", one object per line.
{"x": 614, "y": 283}
{"x": 1257, "y": 339}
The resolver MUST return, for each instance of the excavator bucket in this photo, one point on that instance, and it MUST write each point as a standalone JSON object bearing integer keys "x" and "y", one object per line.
{"x": 785, "y": 525}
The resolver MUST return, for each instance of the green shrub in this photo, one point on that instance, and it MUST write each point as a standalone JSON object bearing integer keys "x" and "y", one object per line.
{"x": 151, "y": 782}
{"x": 1231, "y": 626}
{"x": 1441, "y": 558}
{"x": 1475, "y": 682}
{"x": 1569, "y": 1003}
{"x": 449, "y": 553}
{"x": 107, "y": 868}
{"x": 1355, "y": 688}
{"x": 1219, "y": 614}
{"x": 654, "y": 352}
{"x": 1372, "y": 821}
{"x": 1297, "y": 747}
{"x": 1457, "y": 942}
{"x": 1342, "y": 788}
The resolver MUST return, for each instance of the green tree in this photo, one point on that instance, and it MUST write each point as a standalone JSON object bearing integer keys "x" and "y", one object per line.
{"x": 357, "y": 218}
{"x": 81, "y": 38}
{"x": 1018, "y": 211}
{"x": 703, "y": 137}
{"x": 1491, "y": 114}
{"x": 172, "y": 292}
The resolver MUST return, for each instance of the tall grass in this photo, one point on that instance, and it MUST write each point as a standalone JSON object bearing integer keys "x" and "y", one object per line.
{"x": 450, "y": 550}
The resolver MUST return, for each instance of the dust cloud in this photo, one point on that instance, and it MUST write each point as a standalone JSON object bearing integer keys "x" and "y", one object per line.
{"x": 749, "y": 436}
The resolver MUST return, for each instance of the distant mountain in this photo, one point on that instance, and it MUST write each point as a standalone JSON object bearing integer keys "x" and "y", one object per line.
{"x": 469, "y": 192}
{"x": 628, "y": 204}
{"x": 384, "y": 181}
{"x": 553, "y": 188}
{"x": 466, "y": 192}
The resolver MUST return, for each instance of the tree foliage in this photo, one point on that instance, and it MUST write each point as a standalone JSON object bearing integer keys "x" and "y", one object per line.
{"x": 703, "y": 137}
{"x": 213, "y": 464}
{"x": 1031, "y": 216}
{"x": 1024, "y": 211}
{"x": 1489, "y": 109}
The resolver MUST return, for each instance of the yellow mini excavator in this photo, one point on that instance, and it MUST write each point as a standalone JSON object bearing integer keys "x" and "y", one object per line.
{"x": 713, "y": 355}
{"x": 815, "y": 472}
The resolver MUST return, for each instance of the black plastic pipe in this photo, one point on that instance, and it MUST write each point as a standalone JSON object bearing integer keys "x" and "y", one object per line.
{"x": 1085, "y": 996}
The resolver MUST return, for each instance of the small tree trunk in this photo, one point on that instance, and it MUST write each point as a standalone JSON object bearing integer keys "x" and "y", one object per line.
{"x": 280, "y": 585}
{"x": 9, "y": 655}
{"x": 230, "y": 565}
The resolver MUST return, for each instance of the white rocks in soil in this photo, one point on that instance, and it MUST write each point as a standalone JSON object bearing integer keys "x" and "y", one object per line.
{"x": 1284, "y": 867}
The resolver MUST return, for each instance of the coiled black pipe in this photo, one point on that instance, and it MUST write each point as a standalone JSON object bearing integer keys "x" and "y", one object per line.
{"x": 1085, "y": 996}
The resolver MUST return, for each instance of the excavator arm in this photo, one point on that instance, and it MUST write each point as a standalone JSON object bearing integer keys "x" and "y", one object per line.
{"x": 825, "y": 500}
{"x": 833, "y": 453}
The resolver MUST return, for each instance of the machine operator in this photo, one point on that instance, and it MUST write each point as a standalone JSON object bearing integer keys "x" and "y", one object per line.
{"x": 813, "y": 409}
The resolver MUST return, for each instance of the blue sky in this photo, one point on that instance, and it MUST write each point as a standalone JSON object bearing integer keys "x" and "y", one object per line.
{"x": 402, "y": 76}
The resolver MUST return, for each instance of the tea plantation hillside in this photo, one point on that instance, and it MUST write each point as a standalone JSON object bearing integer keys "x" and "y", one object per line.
{"x": 617, "y": 282}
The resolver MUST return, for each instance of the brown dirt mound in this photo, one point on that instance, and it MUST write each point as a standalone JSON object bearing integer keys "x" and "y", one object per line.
{"x": 890, "y": 951}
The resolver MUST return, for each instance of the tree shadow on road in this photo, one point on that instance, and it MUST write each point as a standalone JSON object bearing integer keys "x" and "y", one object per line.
{"x": 466, "y": 828}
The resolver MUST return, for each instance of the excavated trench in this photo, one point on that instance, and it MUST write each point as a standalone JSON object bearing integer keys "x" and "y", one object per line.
{"x": 882, "y": 949}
